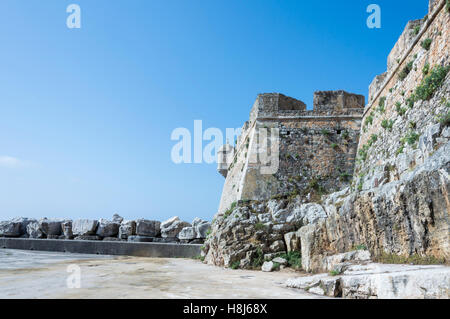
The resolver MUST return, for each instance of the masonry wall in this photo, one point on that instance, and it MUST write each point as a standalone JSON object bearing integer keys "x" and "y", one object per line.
{"x": 395, "y": 140}
{"x": 316, "y": 148}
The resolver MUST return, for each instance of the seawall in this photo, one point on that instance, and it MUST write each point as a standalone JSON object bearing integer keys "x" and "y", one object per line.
{"x": 156, "y": 250}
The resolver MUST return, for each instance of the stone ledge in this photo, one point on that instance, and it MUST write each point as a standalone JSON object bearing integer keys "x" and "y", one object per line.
{"x": 158, "y": 250}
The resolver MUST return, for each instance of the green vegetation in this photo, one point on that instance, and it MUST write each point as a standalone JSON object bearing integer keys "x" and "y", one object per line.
{"x": 373, "y": 139}
{"x": 345, "y": 134}
{"x": 294, "y": 259}
{"x": 426, "y": 44}
{"x": 369, "y": 119}
{"x": 361, "y": 181}
{"x": 412, "y": 125}
{"x": 201, "y": 258}
{"x": 324, "y": 132}
{"x": 415, "y": 259}
{"x": 426, "y": 69}
{"x": 229, "y": 210}
{"x": 258, "y": 261}
{"x": 445, "y": 119}
{"x": 405, "y": 71}
{"x": 344, "y": 176}
{"x": 360, "y": 247}
{"x": 400, "y": 110}
{"x": 411, "y": 138}
{"x": 334, "y": 146}
{"x": 416, "y": 30}
{"x": 410, "y": 101}
{"x": 387, "y": 125}
{"x": 363, "y": 152}
{"x": 431, "y": 83}
{"x": 335, "y": 272}
{"x": 235, "y": 265}
{"x": 260, "y": 226}
{"x": 400, "y": 150}
{"x": 447, "y": 6}
{"x": 381, "y": 105}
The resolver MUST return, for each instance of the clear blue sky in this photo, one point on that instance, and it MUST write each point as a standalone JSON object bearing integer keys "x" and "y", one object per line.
{"x": 86, "y": 115}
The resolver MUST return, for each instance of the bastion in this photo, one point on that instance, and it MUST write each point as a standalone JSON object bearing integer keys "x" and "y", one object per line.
{"x": 286, "y": 150}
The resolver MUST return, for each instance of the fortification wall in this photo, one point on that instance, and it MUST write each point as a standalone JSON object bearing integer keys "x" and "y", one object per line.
{"x": 401, "y": 128}
{"x": 316, "y": 148}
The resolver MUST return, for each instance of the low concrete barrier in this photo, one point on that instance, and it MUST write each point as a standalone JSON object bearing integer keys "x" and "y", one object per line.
{"x": 162, "y": 250}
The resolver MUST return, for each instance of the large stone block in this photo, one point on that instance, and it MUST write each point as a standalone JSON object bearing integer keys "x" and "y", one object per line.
{"x": 187, "y": 233}
{"x": 10, "y": 229}
{"x": 84, "y": 227}
{"x": 172, "y": 227}
{"x": 127, "y": 229}
{"x": 150, "y": 228}
{"x": 34, "y": 230}
{"x": 51, "y": 227}
{"x": 107, "y": 228}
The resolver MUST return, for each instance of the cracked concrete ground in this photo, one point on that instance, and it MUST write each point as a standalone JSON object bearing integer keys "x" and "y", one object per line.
{"x": 31, "y": 274}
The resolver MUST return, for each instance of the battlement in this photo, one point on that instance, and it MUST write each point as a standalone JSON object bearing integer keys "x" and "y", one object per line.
{"x": 326, "y": 103}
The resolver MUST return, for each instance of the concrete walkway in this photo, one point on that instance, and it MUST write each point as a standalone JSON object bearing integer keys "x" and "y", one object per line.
{"x": 28, "y": 274}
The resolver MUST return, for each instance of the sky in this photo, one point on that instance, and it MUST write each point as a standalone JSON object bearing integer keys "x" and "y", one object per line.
{"x": 86, "y": 115}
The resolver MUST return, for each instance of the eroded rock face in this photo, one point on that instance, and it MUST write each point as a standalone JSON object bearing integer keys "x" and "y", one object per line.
{"x": 381, "y": 281}
{"x": 404, "y": 217}
{"x": 254, "y": 229}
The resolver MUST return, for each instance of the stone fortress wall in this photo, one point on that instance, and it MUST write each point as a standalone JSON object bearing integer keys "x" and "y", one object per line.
{"x": 317, "y": 147}
{"x": 400, "y": 129}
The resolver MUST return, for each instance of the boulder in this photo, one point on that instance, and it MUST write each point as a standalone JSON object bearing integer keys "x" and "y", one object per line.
{"x": 278, "y": 246}
{"x": 23, "y": 223}
{"x": 84, "y": 227}
{"x": 292, "y": 241}
{"x": 150, "y": 228}
{"x": 51, "y": 227}
{"x": 187, "y": 233}
{"x": 117, "y": 219}
{"x": 201, "y": 227}
{"x": 172, "y": 227}
{"x": 268, "y": 266}
{"x": 34, "y": 230}
{"x": 280, "y": 261}
{"x": 67, "y": 229}
{"x": 127, "y": 228}
{"x": 107, "y": 228}
{"x": 10, "y": 229}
